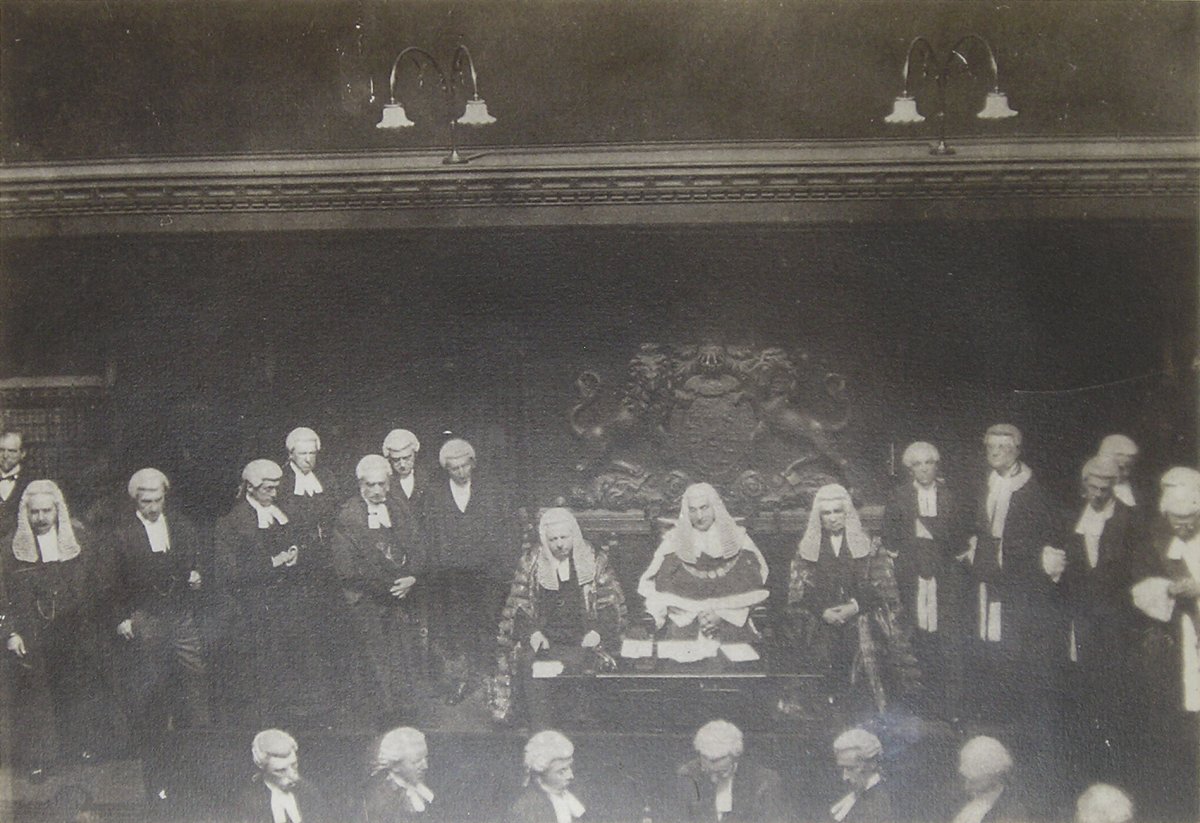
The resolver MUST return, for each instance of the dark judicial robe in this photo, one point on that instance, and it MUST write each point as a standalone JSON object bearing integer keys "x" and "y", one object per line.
{"x": 872, "y": 806}
{"x": 1168, "y": 734}
{"x": 272, "y": 620}
{"x": 311, "y": 517}
{"x": 166, "y": 653}
{"x": 471, "y": 554}
{"x": 934, "y": 557}
{"x": 482, "y": 539}
{"x": 1098, "y": 597}
{"x": 938, "y": 645}
{"x": 386, "y": 802}
{"x": 757, "y": 795}
{"x": 252, "y": 803}
{"x": 1035, "y": 621}
{"x": 54, "y": 607}
{"x": 367, "y": 562}
{"x": 832, "y": 581}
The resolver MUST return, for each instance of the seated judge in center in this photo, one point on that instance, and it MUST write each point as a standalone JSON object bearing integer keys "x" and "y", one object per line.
{"x": 706, "y": 574}
{"x": 565, "y": 604}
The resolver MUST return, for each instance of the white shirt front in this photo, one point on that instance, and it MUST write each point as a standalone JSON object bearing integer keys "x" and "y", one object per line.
{"x": 283, "y": 806}
{"x": 835, "y": 541}
{"x": 267, "y": 515}
{"x": 157, "y": 532}
{"x": 1091, "y": 526}
{"x": 567, "y": 807}
{"x": 307, "y": 483}
{"x": 8, "y": 483}
{"x": 378, "y": 517}
{"x": 564, "y": 570}
{"x": 408, "y": 484}
{"x": 462, "y": 495}
{"x": 1124, "y": 493}
{"x": 1189, "y": 552}
{"x": 724, "y": 796}
{"x": 926, "y": 500}
{"x": 48, "y": 546}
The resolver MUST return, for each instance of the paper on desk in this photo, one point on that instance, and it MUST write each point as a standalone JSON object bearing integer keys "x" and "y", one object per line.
{"x": 687, "y": 651}
{"x": 637, "y": 648}
{"x": 547, "y": 668}
{"x": 739, "y": 652}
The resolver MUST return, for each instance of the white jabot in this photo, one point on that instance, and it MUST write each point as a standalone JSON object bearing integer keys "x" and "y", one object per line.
{"x": 283, "y": 805}
{"x": 408, "y": 484}
{"x": 307, "y": 483}
{"x": 8, "y": 483}
{"x": 48, "y": 546}
{"x": 989, "y": 616}
{"x": 1124, "y": 493}
{"x": 999, "y": 495}
{"x": 267, "y": 514}
{"x": 724, "y": 796}
{"x": 978, "y": 807}
{"x": 419, "y": 796}
{"x": 567, "y": 807}
{"x": 157, "y": 532}
{"x": 927, "y": 615}
{"x": 708, "y": 543}
{"x": 1091, "y": 525}
{"x": 462, "y": 495}
{"x": 378, "y": 517}
{"x": 926, "y": 500}
{"x": 835, "y": 542}
{"x": 564, "y": 570}
{"x": 1189, "y": 552}
{"x": 840, "y": 809}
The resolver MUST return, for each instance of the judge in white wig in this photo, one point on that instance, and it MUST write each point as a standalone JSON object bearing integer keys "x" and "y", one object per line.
{"x": 400, "y": 447}
{"x": 549, "y": 771}
{"x": 1168, "y": 591}
{"x": 303, "y": 446}
{"x": 397, "y": 790}
{"x": 564, "y": 596}
{"x": 706, "y": 574}
{"x": 48, "y": 627}
{"x": 1125, "y": 452}
{"x": 841, "y": 600}
{"x": 857, "y": 754}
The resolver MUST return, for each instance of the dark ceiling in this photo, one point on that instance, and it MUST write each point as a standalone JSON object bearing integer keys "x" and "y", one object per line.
{"x": 121, "y": 78}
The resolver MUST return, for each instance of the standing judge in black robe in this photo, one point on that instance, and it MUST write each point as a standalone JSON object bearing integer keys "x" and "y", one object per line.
{"x": 379, "y": 564}
{"x": 156, "y": 580}
{"x": 52, "y": 592}
{"x": 925, "y": 527}
{"x": 473, "y": 549}
{"x": 1100, "y": 550}
{"x": 1021, "y": 624}
{"x": 259, "y": 565}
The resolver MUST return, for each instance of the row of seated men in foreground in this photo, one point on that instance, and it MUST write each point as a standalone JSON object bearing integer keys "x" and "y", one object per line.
{"x": 1025, "y": 618}
{"x": 718, "y": 784}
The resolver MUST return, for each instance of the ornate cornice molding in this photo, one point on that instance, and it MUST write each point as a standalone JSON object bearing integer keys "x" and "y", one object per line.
{"x": 770, "y": 182}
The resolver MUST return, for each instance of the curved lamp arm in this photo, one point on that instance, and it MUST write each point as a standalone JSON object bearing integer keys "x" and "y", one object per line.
{"x": 930, "y": 54}
{"x": 413, "y": 52}
{"x": 460, "y": 54}
{"x": 957, "y": 52}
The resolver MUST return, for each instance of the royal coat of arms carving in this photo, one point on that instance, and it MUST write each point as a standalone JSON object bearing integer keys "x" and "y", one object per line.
{"x": 761, "y": 424}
